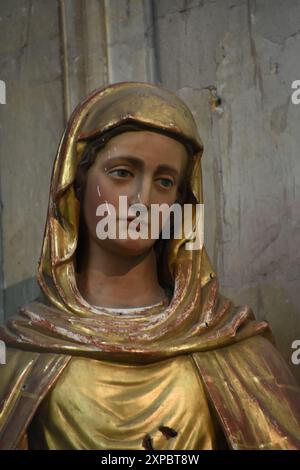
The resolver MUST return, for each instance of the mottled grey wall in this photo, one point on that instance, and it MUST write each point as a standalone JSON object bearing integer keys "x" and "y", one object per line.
{"x": 244, "y": 52}
{"x": 31, "y": 123}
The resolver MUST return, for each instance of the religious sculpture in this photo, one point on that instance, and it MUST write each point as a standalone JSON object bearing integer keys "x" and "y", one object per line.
{"x": 131, "y": 345}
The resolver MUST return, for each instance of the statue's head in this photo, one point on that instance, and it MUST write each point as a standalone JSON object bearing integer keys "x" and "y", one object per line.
{"x": 148, "y": 167}
{"x": 129, "y": 139}
{"x": 133, "y": 147}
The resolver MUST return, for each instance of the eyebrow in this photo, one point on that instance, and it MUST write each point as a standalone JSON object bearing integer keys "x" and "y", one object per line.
{"x": 138, "y": 162}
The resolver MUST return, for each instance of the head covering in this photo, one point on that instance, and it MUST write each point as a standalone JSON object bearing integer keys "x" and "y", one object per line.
{"x": 197, "y": 318}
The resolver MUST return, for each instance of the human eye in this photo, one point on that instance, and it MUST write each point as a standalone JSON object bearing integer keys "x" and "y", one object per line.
{"x": 166, "y": 182}
{"x": 120, "y": 173}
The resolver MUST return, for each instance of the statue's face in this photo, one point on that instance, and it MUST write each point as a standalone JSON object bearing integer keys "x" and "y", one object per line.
{"x": 147, "y": 168}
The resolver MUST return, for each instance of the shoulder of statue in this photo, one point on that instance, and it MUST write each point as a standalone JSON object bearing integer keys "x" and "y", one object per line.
{"x": 26, "y": 378}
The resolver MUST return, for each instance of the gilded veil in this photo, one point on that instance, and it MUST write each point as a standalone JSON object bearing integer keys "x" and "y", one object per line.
{"x": 248, "y": 385}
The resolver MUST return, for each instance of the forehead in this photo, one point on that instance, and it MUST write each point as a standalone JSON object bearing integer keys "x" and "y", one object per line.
{"x": 145, "y": 143}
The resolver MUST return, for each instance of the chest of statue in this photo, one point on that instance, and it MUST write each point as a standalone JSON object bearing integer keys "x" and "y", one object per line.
{"x": 105, "y": 405}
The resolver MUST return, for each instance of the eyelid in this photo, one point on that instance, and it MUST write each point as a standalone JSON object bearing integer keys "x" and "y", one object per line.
{"x": 120, "y": 166}
{"x": 168, "y": 186}
{"x": 170, "y": 178}
{"x": 117, "y": 168}
{"x": 124, "y": 167}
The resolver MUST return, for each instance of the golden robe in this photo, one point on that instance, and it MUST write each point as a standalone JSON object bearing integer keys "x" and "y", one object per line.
{"x": 115, "y": 403}
{"x": 198, "y": 373}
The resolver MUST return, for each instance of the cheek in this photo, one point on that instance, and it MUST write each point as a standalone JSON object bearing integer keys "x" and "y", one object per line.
{"x": 99, "y": 190}
{"x": 169, "y": 198}
{"x": 164, "y": 197}
{"x": 96, "y": 193}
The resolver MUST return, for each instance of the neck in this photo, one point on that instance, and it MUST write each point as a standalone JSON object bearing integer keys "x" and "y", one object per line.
{"x": 112, "y": 280}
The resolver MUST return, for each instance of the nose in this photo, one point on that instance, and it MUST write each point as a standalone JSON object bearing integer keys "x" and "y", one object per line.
{"x": 142, "y": 193}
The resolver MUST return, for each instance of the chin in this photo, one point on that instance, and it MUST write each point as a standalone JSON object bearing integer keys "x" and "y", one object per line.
{"x": 129, "y": 247}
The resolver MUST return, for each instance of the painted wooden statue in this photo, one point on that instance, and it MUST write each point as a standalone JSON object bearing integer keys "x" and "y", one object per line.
{"x": 131, "y": 345}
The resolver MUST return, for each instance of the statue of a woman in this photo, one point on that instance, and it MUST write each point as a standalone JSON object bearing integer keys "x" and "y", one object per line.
{"x": 131, "y": 345}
